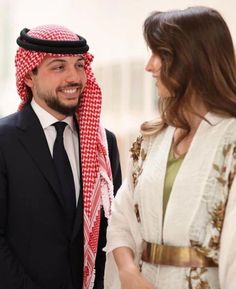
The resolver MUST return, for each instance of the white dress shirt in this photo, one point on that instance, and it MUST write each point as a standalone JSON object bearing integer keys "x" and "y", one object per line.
{"x": 71, "y": 141}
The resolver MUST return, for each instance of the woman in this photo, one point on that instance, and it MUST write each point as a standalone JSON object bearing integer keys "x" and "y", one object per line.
{"x": 173, "y": 220}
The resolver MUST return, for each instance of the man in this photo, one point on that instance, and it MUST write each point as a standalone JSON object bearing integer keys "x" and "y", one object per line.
{"x": 52, "y": 190}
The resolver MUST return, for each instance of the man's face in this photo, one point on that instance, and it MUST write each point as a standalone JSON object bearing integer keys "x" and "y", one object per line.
{"x": 58, "y": 84}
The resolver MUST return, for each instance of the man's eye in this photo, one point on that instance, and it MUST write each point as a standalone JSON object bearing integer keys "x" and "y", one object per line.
{"x": 59, "y": 67}
{"x": 80, "y": 65}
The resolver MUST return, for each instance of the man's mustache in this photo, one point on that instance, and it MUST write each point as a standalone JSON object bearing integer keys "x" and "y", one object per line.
{"x": 72, "y": 85}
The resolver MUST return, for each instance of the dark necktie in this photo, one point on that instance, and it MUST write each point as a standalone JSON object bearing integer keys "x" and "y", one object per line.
{"x": 64, "y": 172}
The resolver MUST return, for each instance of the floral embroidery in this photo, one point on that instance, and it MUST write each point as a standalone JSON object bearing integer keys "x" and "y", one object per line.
{"x": 196, "y": 279}
{"x": 233, "y": 171}
{"x": 218, "y": 212}
{"x": 199, "y": 248}
{"x": 217, "y": 216}
{"x": 139, "y": 155}
{"x": 203, "y": 285}
{"x": 196, "y": 275}
{"x": 136, "y": 210}
{"x": 136, "y": 148}
{"x": 210, "y": 248}
{"x": 136, "y": 174}
{"x": 226, "y": 149}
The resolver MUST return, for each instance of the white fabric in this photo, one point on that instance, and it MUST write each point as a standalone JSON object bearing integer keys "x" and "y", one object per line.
{"x": 200, "y": 187}
{"x": 107, "y": 187}
{"x": 71, "y": 141}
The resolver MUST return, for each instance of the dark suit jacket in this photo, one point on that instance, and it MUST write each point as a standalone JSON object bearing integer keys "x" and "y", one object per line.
{"x": 36, "y": 250}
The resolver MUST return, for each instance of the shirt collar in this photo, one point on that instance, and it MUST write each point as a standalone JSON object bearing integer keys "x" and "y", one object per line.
{"x": 46, "y": 119}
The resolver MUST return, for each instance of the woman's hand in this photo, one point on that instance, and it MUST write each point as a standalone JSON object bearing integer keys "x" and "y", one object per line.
{"x": 132, "y": 278}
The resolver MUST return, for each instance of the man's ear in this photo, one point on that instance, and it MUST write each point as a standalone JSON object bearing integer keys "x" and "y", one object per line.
{"x": 28, "y": 80}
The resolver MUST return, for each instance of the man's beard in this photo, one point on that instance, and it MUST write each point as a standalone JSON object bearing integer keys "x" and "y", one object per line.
{"x": 56, "y": 105}
{"x": 54, "y": 102}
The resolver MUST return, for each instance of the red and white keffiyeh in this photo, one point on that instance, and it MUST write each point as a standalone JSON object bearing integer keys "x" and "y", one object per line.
{"x": 96, "y": 170}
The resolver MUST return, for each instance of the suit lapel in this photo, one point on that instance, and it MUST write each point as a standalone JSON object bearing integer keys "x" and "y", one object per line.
{"x": 32, "y": 137}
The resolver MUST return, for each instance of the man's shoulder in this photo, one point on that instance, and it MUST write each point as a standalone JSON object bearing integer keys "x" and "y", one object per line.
{"x": 8, "y": 120}
{"x": 111, "y": 138}
{"x": 19, "y": 118}
{"x": 8, "y": 129}
{"x": 109, "y": 133}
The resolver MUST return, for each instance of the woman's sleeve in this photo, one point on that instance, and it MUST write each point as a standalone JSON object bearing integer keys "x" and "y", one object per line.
{"x": 122, "y": 224}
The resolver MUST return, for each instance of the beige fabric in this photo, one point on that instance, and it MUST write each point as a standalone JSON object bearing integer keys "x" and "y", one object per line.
{"x": 193, "y": 215}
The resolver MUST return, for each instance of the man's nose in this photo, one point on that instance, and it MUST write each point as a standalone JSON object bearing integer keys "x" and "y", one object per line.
{"x": 72, "y": 75}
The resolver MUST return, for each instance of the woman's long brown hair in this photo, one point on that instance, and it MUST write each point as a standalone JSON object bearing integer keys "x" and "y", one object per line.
{"x": 198, "y": 59}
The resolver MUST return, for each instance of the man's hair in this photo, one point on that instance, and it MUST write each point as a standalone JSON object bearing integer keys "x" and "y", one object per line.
{"x": 28, "y": 89}
{"x": 198, "y": 58}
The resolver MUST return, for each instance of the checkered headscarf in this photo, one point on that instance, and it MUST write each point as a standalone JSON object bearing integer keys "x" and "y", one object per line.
{"x": 96, "y": 171}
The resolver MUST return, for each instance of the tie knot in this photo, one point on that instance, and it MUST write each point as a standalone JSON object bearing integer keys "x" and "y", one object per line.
{"x": 60, "y": 126}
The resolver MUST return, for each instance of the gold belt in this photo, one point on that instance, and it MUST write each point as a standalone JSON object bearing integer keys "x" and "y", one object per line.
{"x": 175, "y": 256}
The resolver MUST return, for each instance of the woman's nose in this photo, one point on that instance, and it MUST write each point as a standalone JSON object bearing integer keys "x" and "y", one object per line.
{"x": 148, "y": 66}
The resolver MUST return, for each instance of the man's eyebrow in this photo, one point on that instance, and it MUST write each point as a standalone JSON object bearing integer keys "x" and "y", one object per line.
{"x": 56, "y": 60}
{"x": 81, "y": 57}
{"x": 63, "y": 60}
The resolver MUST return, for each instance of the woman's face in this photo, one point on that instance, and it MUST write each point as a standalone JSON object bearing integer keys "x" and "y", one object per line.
{"x": 154, "y": 66}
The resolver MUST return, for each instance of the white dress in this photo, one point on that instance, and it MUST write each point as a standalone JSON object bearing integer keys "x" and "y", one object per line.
{"x": 202, "y": 194}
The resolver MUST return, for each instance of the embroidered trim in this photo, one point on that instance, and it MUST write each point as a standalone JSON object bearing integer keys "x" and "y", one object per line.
{"x": 136, "y": 148}
{"x": 218, "y": 212}
{"x": 138, "y": 155}
{"x": 232, "y": 173}
{"x": 196, "y": 279}
{"x": 224, "y": 176}
{"x": 136, "y": 211}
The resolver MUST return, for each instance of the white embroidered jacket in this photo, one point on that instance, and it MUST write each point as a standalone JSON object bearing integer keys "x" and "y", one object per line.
{"x": 201, "y": 211}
